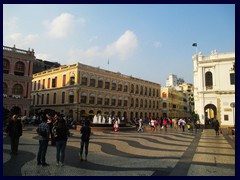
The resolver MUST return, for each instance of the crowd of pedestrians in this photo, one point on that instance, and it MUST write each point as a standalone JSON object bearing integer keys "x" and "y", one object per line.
{"x": 56, "y": 130}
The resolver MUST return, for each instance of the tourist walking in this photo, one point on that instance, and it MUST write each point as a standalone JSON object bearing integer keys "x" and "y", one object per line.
{"x": 216, "y": 127}
{"x": 140, "y": 125}
{"x": 43, "y": 131}
{"x": 86, "y": 132}
{"x": 14, "y": 130}
{"x": 183, "y": 124}
{"x": 165, "y": 122}
{"x": 62, "y": 132}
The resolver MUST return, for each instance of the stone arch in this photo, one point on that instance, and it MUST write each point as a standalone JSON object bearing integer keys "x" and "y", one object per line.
{"x": 210, "y": 112}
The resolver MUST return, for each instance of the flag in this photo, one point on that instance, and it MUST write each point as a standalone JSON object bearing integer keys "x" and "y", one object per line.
{"x": 194, "y": 44}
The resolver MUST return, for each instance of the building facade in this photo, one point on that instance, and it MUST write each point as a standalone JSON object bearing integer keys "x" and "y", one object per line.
{"x": 214, "y": 87}
{"x": 174, "y": 103}
{"x": 80, "y": 90}
{"x": 17, "y": 79}
{"x": 173, "y": 80}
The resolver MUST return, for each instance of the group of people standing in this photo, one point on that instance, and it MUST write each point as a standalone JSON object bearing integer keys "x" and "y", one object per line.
{"x": 52, "y": 129}
{"x": 58, "y": 130}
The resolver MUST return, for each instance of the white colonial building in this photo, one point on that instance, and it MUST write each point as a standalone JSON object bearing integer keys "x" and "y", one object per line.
{"x": 214, "y": 87}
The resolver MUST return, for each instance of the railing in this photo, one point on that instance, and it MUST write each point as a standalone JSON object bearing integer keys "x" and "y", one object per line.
{"x": 6, "y": 48}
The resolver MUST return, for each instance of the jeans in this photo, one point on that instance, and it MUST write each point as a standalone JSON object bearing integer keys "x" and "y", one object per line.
{"x": 43, "y": 144}
{"x": 60, "y": 147}
{"x": 86, "y": 143}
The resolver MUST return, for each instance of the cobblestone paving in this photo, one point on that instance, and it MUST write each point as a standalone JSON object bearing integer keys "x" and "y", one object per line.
{"x": 128, "y": 153}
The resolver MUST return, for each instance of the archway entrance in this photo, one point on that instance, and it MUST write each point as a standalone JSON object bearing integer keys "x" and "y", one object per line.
{"x": 210, "y": 111}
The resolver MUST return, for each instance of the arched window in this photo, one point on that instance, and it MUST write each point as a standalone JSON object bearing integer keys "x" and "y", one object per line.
{"x": 92, "y": 81}
{"x": 125, "y": 101}
{"x": 72, "y": 79}
{"x": 146, "y": 91}
{"x": 137, "y": 89}
{"x": 120, "y": 86}
{"x": 106, "y": 102}
{"x": 113, "y": 101}
{"x": 132, "y": 102}
{"x": 19, "y": 68}
{"x": 141, "y": 90}
{"x": 125, "y": 87}
{"x": 99, "y": 99}
{"x": 107, "y": 83}
{"x": 91, "y": 98}
{"x": 150, "y": 92}
{"x": 114, "y": 85}
{"x": 136, "y": 102}
{"x": 71, "y": 97}
{"x": 100, "y": 82}
{"x": 120, "y": 101}
{"x": 208, "y": 80}
{"x": 84, "y": 98}
{"x": 17, "y": 89}
{"x": 141, "y": 103}
{"x": 146, "y": 104}
{"x": 84, "y": 79}
{"x": 6, "y": 66}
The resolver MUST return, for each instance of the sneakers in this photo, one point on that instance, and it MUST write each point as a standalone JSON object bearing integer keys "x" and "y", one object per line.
{"x": 57, "y": 163}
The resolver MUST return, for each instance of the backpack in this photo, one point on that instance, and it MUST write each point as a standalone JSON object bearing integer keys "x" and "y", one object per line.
{"x": 41, "y": 132}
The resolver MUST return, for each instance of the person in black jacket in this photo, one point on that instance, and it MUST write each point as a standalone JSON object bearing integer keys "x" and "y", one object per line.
{"x": 14, "y": 130}
{"x": 61, "y": 136}
{"x": 86, "y": 132}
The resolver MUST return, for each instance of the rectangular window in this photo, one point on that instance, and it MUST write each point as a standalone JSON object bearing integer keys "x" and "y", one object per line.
{"x": 39, "y": 83}
{"x": 54, "y": 82}
{"x": 64, "y": 80}
{"x": 63, "y": 97}
{"x": 35, "y": 85}
{"x": 43, "y": 84}
{"x": 48, "y": 86}
{"x": 232, "y": 78}
{"x": 225, "y": 117}
{"x": 54, "y": 98}
{"x": 47, "y": 99}
{"x": 42, "y": 98}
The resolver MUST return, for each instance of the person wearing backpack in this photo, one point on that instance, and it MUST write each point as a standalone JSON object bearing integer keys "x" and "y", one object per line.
{"x": 86, "y": 132}
{"x": 43, "y": 131}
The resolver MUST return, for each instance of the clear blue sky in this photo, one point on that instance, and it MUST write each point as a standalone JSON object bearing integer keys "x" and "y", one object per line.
{"x": 147, "y": 41}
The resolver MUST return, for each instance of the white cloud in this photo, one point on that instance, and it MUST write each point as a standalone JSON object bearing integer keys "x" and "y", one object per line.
{"x": 21, "y": 40}
{"x": 122, "y": 48}
{"x": 61, "y": 26}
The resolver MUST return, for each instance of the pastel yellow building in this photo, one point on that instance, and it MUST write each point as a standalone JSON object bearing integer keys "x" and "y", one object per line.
{"x": 173, "y": 103}
{"x": 80, "y": 90}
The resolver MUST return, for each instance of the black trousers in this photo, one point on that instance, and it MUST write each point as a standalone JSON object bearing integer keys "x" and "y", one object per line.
{"x": 14, "y": 144}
